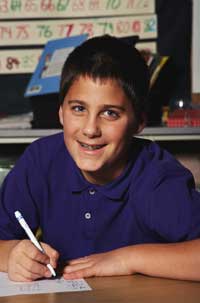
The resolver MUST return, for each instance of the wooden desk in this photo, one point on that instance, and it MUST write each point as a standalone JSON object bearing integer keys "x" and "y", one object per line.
{"x": 128, "y": 289}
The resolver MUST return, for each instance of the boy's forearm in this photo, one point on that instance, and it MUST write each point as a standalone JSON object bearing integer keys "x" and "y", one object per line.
{"x": 5, "y": 248}
{"x": 176, "y": 261}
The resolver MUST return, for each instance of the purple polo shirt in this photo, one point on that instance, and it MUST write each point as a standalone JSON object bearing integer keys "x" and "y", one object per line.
{"x": 152, "y": 201}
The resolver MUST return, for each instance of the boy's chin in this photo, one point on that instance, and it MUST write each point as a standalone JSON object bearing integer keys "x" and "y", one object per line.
{"x": 92, "y": 167}
{"x": 89, "y": 170}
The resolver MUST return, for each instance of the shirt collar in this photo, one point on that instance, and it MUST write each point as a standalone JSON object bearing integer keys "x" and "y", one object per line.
{"x": 114, "y": 190}
{"x": 117, "y": 189}
{"x": 78, "y": 182}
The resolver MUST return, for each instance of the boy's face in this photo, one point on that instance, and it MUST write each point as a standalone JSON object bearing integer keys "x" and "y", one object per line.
{"x": 98, "y": 121}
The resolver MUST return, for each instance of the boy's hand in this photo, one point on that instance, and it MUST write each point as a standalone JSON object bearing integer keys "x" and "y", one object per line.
{"x": 26, "y": 263}
{"x": 113, "y": 263}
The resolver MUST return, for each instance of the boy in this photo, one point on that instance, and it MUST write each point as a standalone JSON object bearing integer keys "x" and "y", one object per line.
{"x": 107, "y": 202}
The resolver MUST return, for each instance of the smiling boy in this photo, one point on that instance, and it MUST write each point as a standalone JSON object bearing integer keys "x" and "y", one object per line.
{"x": 98, "y": 128}
{"x": 107, "y": 202}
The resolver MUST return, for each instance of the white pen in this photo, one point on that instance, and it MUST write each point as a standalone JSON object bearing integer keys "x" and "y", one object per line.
{"x": 31, "y": 236}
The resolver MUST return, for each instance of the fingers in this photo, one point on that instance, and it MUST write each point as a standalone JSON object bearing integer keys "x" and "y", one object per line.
{"x": 42, "y": 260}
{"x": 52, "y": 253}
{"x": 80, "y": 260}
{"x": 79, "y": 274}
{"x": 27, "y": 270}
{"x": 27, "y": 263}
{"x": 79, "y": 268}
{"x": 36, "y": 266}
{"x": 34, "y": 254}
{"x": 110, "y": 263}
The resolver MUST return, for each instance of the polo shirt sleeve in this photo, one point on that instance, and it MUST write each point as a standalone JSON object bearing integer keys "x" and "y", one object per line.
{"x": 18, "y": 192}
{"x": 174, "y": 205}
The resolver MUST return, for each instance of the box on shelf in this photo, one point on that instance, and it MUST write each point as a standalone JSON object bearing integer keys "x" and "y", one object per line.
{"x": 43, "y": 87}
{"x": 184, "y": 117}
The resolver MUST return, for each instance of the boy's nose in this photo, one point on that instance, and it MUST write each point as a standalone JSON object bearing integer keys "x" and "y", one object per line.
{"x": 91, "y": 128}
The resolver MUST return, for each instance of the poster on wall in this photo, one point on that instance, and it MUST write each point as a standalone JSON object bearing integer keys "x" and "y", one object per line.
{"x": 20, "y": 61}
{"x": 39, "y": 32}
{"x": 10, "y": 9}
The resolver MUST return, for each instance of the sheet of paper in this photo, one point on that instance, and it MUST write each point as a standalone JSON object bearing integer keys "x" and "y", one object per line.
{"x": 10, "y": 288}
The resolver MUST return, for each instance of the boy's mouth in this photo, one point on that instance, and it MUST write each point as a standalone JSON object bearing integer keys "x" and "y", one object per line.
{"x": 91, "y": 146}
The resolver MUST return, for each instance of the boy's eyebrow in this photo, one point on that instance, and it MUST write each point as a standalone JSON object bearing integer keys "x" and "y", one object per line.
{"x": 104, "y": 106}
{"x": 76, "y": 101}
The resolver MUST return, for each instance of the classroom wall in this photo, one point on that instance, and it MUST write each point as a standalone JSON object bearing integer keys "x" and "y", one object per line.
{"x": 22, "y": 40}
{"x": 165, "y": 26}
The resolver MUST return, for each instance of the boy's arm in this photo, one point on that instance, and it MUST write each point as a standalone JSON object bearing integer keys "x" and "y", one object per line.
{"x": 176, "y": 261}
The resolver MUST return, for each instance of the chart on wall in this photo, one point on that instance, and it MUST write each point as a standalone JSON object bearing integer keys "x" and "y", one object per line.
{"x": 14, "y": 9}
{"x": 22, "y": 40}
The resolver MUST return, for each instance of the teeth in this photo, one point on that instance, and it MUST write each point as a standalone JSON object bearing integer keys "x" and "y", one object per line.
{"x": 91, "y": 147}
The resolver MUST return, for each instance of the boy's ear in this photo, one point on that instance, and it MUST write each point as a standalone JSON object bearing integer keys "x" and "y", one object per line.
{"x": 142, "y": 123}
{"x": 61, "y": 115}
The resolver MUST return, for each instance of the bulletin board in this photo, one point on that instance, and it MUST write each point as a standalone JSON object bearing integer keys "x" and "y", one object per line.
{"x": 27, "y": 25}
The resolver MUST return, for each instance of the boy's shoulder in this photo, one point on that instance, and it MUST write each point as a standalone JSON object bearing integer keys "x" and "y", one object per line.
{"x": 49, "y": 140}
{"x": 155, "y": 163}
{"x": 48, "y": 143}
{"x": 46, "y": 149}
{"x": 151, "y": 153}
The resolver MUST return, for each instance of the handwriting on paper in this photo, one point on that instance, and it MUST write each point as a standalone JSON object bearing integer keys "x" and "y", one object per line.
{"x": 9, "y": 288}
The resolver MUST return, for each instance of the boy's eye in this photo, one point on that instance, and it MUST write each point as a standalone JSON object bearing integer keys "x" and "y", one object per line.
{"x": 78, "y": 108}
{"x": 111, "y": 114}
